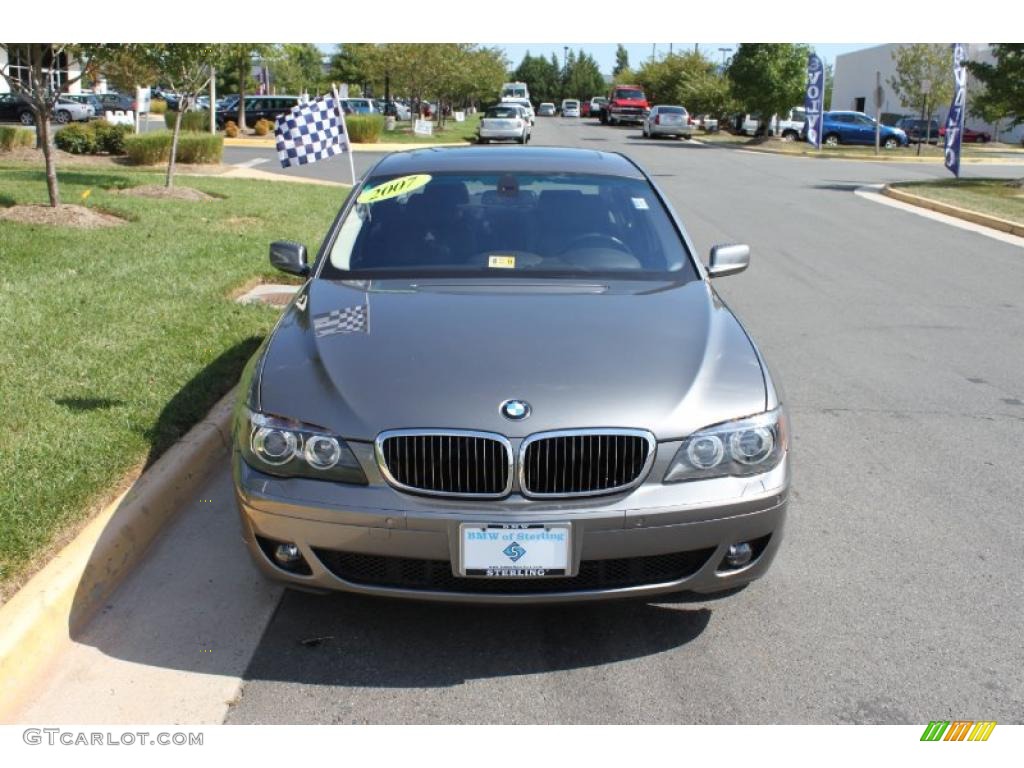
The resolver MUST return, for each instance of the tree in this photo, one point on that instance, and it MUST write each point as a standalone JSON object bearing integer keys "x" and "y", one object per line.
{"x": 1003, "y": 95}
{"x": 186, "y": 67}
{"x": 768, "y": 78}
{"x": 621, "y": 60}
{"x": 690, "y": 79}
{"x": 238, "y": 58}
{"x": 38, "y": 61}
{"x": 584, "y": 79}
{"x": 923, "y": 77}
{"x": 298, "y": 68}
{"x": 540, "y": 75}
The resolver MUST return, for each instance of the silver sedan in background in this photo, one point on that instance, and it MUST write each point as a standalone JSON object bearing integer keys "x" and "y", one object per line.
{"x": 667, "y": 120}
{"x": 504, "y": 122}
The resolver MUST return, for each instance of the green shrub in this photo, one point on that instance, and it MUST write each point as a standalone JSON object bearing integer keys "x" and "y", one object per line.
{"x": 78, "y": 139}
{"x": 153, "y": 148}
{"x": 200, "y": 148}
{"x": 190, "y": 121}
{"x": 364, "y": 129}
{"x": 231, "y": 129}
{"x": 16, "y": 137}
{"x": 158, "y": 106}
{"x": 148, "y": 148}
{"x": 110, "y": 137}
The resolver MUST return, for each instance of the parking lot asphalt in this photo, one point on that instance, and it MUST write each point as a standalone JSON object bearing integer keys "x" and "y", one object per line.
{"x": 896, "y": 596}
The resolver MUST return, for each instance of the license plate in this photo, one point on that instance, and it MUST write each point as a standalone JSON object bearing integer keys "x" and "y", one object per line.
{"x": 528, "y": 550}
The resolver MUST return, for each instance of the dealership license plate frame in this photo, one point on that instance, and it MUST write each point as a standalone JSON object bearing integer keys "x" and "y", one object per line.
{"x": 513, "y": 571}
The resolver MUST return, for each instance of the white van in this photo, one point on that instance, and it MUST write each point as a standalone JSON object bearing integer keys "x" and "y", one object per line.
{"x": 570, "y": 107}
{"x": 515, "y": 91}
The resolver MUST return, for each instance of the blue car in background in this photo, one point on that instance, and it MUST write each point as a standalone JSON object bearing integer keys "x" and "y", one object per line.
{"x": 858, "y": 128}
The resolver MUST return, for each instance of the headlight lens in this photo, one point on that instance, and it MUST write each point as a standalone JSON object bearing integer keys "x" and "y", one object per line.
{"x": 292, "y": 449}
{"x": 740, "y": 448}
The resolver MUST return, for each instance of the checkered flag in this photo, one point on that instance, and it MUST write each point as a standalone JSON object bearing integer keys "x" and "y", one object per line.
{"x": 348, "y": 320}
{"x": 310, "y": 132}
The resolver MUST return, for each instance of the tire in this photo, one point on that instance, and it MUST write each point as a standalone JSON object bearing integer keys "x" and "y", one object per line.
{"x": 790, "y": 135}
{"x": 521, "y": 139}
{"x": 480, "y": 140}
{"x": 612, "y": 120}
{"x": 832, "y": 140}
{"x": 646, "y": 135}
{"x": 891, "y": 142}
{"x": 27, "y": 118}
{"x": 63, "y": 116}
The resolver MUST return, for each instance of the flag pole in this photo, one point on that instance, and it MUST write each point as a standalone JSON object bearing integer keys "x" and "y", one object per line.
{"x": 348, "y": 137}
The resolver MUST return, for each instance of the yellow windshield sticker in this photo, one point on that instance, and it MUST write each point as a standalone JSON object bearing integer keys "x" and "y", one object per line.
{"x": 393, "y": 188}
{"x": 502, "y": 262}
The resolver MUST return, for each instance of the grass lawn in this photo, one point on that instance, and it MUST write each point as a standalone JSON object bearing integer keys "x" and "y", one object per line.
{"x": 465, "y": 131}
{"x": 114, "y": 341}
{"x": 996, "y": 197}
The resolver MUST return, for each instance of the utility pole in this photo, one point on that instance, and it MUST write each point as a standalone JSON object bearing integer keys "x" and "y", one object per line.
{"x": 878, "y": 110}
{"x": 926, "y": 88}
{"x": 724, "y": 51}
{"x": 213, "y": 99}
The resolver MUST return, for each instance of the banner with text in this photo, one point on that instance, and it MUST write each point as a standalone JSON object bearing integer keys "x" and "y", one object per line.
{"x": 955, "y": 119}
{"x": 814, "y": 99}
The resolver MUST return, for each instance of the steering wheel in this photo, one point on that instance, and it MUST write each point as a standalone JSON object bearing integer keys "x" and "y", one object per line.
{"x": 596, "y": 240}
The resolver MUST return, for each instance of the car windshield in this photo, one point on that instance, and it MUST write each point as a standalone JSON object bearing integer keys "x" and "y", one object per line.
{"x": 504, "y": 224}
{"x": 505, "y": 112}
{"x": 629, "y": 93}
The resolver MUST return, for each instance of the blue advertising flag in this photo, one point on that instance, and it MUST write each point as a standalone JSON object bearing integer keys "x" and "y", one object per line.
{"x": 814, "y": 100}
{"x": 955, "y": 119}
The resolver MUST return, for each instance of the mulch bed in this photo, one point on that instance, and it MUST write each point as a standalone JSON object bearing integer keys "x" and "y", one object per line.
{"x": 77, "y": 216}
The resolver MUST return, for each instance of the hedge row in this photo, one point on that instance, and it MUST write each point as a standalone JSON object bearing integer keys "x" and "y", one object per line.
{"x": 157, "y": 106}
{"x": 364, "y": 129}
{"x": 93, "y": 138}
{"x": 16, "y": 137}
{"x": 153, "y": 148}
{"x": 190, "y": 121}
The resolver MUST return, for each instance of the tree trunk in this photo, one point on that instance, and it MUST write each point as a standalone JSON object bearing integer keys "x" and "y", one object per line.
{"x": 241, "y": 96}
{"x": 51, "y": 165}
{"x": 174, "y": 150}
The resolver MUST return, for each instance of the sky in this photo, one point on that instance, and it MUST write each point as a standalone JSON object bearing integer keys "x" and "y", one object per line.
{"x": 639, "y": 52}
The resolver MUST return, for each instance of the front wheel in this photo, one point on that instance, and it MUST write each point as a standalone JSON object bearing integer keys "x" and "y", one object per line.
{"x": 790, "y": 136}
{"x": 63, "y": 117}
{"x": 832, "y": 140}
{"x": 891, "y": 143}
{"x": 481, "y": 140}
{"x": 26, "y": 118}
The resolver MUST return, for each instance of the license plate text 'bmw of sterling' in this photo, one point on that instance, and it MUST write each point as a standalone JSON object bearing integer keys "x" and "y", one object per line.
{"x": 510, "y": 551}
{"x": 388, "y": 441}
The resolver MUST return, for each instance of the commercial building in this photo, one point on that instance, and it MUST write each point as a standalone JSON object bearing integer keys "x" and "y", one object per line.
{"x": 60, "y": 70}
{"x": 854, "y": 85}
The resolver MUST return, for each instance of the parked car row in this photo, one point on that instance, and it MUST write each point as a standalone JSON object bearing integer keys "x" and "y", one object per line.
{"x": 66, "y": 110}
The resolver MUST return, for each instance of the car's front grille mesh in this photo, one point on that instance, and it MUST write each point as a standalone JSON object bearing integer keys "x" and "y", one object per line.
{"x": 448, "y": 463}
{"x": 584, "y": 463}
{"x": 436, "y": 575}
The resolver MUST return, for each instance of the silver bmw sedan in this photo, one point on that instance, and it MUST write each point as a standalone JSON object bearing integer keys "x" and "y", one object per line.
{"x": 508, "y": 378}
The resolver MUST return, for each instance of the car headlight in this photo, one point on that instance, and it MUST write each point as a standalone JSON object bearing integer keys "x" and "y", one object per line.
{"x": 749, "y": 446}
{"x": 289, "y": 448}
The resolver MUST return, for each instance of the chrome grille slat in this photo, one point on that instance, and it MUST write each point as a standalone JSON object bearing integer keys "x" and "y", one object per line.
{"x": 584, "y": 462}
{"x": 446, "y": 463}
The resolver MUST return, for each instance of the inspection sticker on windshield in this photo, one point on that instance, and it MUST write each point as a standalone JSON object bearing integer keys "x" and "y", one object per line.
{"x": 394, "y": 188}
{"x": 501, "y": 262}
{"x": 640, "y": 204}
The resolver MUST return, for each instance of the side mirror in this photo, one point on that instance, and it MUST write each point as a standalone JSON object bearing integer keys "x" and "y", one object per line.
{"x": 289, "y": 257}
{"x": 728, "y": 260}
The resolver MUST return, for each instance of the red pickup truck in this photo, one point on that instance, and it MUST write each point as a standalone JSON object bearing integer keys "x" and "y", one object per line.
{"x": 626, "y": 104}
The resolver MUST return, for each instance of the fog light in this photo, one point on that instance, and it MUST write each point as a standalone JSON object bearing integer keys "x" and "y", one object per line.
{"x": 738, "y": 555}
{"x": 288, "y": 554}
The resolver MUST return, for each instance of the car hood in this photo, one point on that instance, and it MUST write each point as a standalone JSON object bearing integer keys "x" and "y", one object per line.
{"x": 360, "y": 358}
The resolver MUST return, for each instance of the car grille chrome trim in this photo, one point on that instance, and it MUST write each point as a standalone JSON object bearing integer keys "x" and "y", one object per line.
{"x": 459, "y": 463}
{"x": 584, "y": 462}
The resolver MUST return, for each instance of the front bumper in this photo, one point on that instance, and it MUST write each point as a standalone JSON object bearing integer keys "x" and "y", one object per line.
{"x": 373, "y": 539}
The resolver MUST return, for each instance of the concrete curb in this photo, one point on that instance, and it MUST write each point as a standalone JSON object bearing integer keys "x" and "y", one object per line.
{"x": 37, "y": 622}
{"x": 974, "y": 217}
{"x": 381, "y": 147}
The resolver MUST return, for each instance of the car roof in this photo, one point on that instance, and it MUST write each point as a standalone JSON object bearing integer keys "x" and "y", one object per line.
{"x": 506, "y": 159}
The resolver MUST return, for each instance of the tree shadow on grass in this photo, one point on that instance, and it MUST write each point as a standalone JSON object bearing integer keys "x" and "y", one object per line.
{"x": 193, "y": 401}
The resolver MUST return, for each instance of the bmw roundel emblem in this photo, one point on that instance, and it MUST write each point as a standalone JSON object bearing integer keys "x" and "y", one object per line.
{"x": 516, "y": 410}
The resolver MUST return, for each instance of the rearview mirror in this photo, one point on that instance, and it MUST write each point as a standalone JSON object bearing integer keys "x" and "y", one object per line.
{"x": 289, "y": 257}
{"x": 728, "y": 260}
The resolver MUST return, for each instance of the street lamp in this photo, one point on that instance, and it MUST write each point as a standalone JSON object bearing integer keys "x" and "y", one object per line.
{"x": 724, "y": 51}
